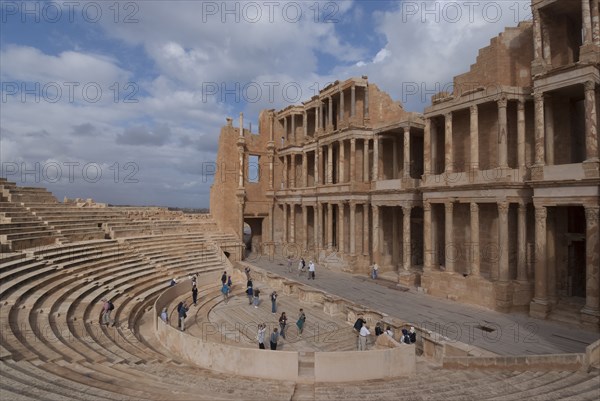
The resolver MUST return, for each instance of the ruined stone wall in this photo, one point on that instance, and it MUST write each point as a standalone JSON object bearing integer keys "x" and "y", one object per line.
{"x": 506, "y": 61}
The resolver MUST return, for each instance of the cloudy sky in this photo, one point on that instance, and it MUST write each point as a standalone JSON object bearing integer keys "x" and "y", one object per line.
{"x": 123, "y": 101}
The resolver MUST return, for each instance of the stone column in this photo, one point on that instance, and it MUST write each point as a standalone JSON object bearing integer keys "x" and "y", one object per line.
{"x": 522, "y": 243}
{"x": 427, "y": 240}
{"x": 352, "y": 228}
{"x": 366, "y": 160}
{"x": 271, "y": 176}
{"x": 285, "y": 223}
{"x": 521, "y": 134}
{"x": 293, "y": 118}
{"x": 376, "y": 256}
{"x": 394, "y": 157}
{"x": 340, "y": 231}
{"x": 433, "y": 147}
{"x": 539, "y": 305}
{"x": 449, "y": 245}
{"x": 503, "y": 241}
{"x": 365, "y": 228}
{"x": 427, "y": 147}
{"x": 293, "y": 223}
{"x": 586, "y": 21}
{"x": 502, "y": 134}
{"x": 304, "y": 228}
{"x": 329, "y": 112}
{"x": 341, "y": 172}
{"x": 406, "y": 238}
{"x": 329, "y": 225}
{"x": 293, "y": 171}
{"x": 352, "y": 100}
{"x": 546, "y": 54}
{"x": 318, "y": 158}
{"x": 366, "y": 104}
{"x": 592, "y": 262}
{"x": 407, "y": 152}
{"x": 474, "y": 137}
{"x": 341, "y": 105}
{"x": 316, "y": 227}
{"x": 321, "y": 115}
{"x": 330, "y": 163}
{"x": 395, "y": 247}
{"x": 304, "y": 169}
{"x": 549, "y": 130}
{"x": 537, "y": 37}
{"x": 271, "y": 223}
{"x": 591, "y": 129}
{"x": 475, "y": 263}
{"x": 285, "y": 129}
{"x": 305, "y": 124}
{"x": 540, "y": 158}
{"x": 317, "y": 118}
{"x": 376, "y": 158}
{"x": 449, "y": 162}
{"x": 595, "y": 23}
{"x": 285, "y": 172}
{"x": 352, "y": 160}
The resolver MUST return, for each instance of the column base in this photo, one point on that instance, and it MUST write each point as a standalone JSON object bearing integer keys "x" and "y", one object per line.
{"x": 591, "y": 168}
{"x": 409, "y": 278}
{"x": 537, "y": 172}
{"x": 589, "y": 53}
{"x": 537, "y": 68}
{"x": 504, "y": 296}
{"x": 539, "y": 308}
{"x": 590, "y": 318}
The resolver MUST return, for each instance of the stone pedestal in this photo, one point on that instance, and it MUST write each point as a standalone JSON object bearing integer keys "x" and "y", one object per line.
{"x": 589, "y": 53}
{"x": 522, "y": 295}
{"x": 590, "y": 318}
{"x": 539, "y": 308}
{"x": 504, "y": 296}
{"x": 409, "y": 279}
{"x": 591, "y": 168}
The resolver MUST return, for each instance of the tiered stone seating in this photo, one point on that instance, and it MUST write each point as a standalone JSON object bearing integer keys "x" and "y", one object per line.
{"x": 138, "y": 228}
{"x": 20, "y": 229}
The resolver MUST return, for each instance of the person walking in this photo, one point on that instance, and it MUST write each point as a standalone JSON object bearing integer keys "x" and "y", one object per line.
{"x": 164, "y": 315}
{"x": 301, "y": 267}
{"x": 256, "y": 297}
{"x": 289, "y": 264}
{"x": 311, "y": 270}
{"x": 300, "y": 322}
{"x": 260, "y": 336}
{"x": 274, "y": 302}
{"x": 224, "y": 278}
{"x": 107, "y": 308}
{"x": 274, "y": 338}
{"x": 250, "y": 294}
{"x": 360, "y": 322}
{"x": 229, "y": 282}
{"x": 225, "y": 292}
{"x": 195, "y": 294}
{"x": 364, "y": 333}
{"x": 374, "y": 271}
{"x": 182, "y": 315}
{"x": 282, "y": 324}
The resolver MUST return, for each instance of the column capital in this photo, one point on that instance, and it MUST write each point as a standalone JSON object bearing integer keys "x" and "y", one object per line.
{"x": 539, "y": 96}
{"x": 474, "y": 109}
{"x": 521, "y": 105}
{"x": 522, "y": 207}
{"x": 503, "y": 102}
{"x": 406, "y": 208}
{"x": 589, "y": 85}
{"x": 427, "y": 206}
{"x": 448, "y": 116}
{"x": 474, "y": 207}
{"x": 591, "y": 214}
{"x": 541, "y": 213}
{"x": 503, "y": 208}
{"x": 449, "y": 206}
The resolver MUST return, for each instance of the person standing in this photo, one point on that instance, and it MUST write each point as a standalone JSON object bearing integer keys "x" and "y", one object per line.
{"x": 250, "y": 294}
{"x": 195, "y": 294}
{"x": 256, "y": 297}
{"x": 260, "y": 336}
{"x": 301, "y": 266}
{"x": 274, "y": 338}
{"x": 229, "y": 282}
{"x": 274, "y": 302}
{"x": 182, "y": 315}
{"x": 107, "y": 308}
{"x": 374, "y": 271}
{"x": 289, "y": 264}
{"x": 282, "y": 324}
{"x": 300, "y": 322}
{"x": 224, "y": 278}
{"x": 164, "y": 315}
{"x": 360, "y": 322}
{"x": 311, "y": 270}
{"x": 225, "y": 292}
{"x": 364, "y": 333}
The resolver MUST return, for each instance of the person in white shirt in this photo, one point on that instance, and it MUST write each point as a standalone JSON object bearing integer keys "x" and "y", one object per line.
{"x": 311, "y": 270}
{"x": 364, "y": 333}
{"x": 389, "y": 331}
